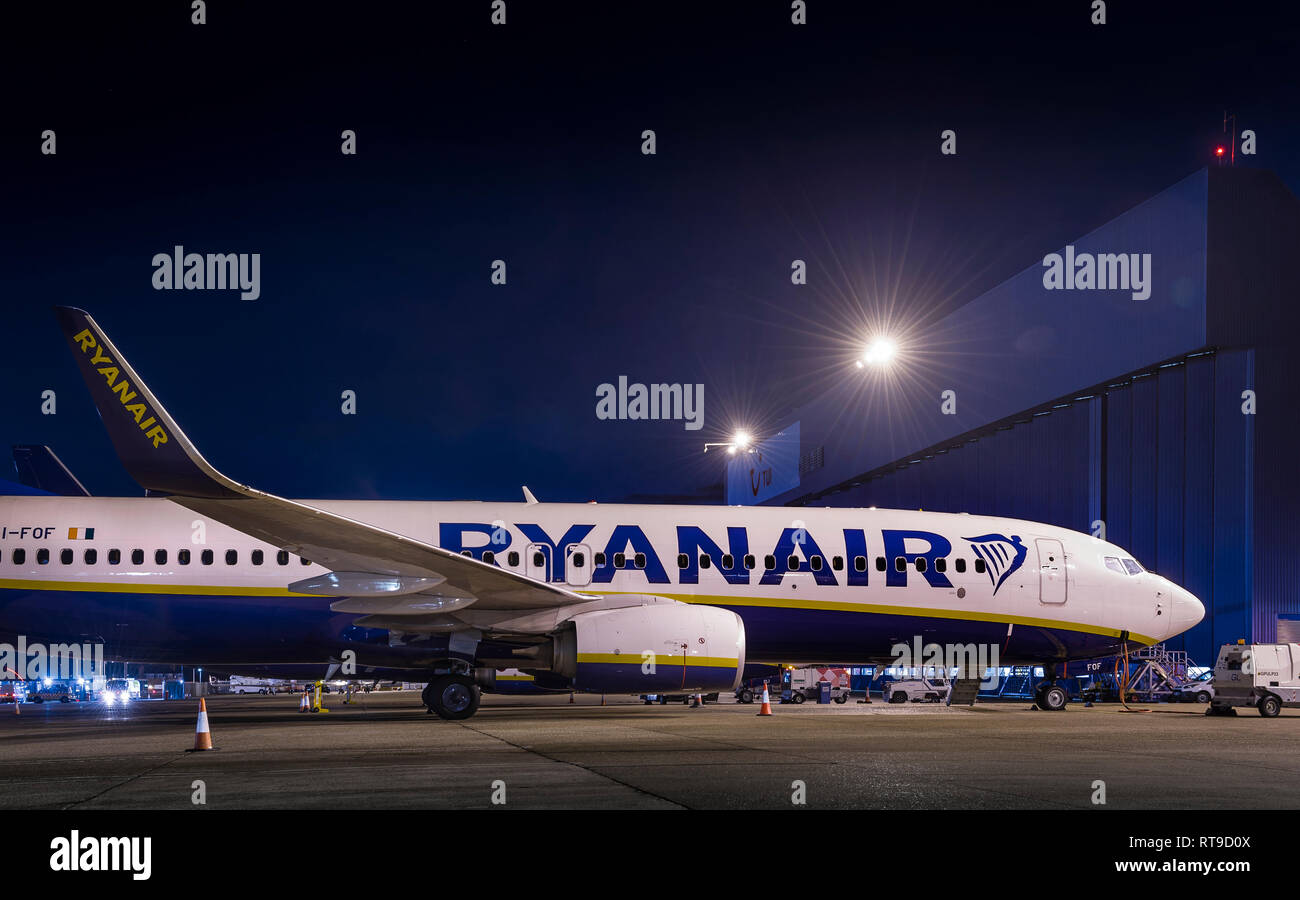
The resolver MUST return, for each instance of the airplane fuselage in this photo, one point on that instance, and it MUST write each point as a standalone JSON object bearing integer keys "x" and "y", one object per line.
{"x": 161, "y": 583}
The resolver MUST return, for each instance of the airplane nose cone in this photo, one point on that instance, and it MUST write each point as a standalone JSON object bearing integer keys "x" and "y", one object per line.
{"x": 1187, "y": 611}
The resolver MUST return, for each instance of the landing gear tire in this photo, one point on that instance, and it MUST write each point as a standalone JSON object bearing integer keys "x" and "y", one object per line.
{"x": 1269, "y": 706}
{"x": 1052, "y": 697}
{"x": 452, "y": 697}
{"x": 746, "y": 696}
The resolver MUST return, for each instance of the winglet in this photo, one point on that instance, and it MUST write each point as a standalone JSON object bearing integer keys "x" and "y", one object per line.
{"x": 150, "y": 444}
{"x": 40, "y": 467}
{"x": 528, "y": 496}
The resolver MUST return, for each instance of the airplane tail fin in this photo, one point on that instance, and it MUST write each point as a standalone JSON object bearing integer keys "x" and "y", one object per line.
{"x": 40, "y": 468}
{"x": 150, "y": 444}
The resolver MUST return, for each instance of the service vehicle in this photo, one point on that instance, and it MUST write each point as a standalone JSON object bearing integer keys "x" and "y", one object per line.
{"x": 917, "y": 689}
{"x": 1265, "y": 676}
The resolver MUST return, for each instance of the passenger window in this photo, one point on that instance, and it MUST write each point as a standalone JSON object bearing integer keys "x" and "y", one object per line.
{"x": 20, "y": 556}
{"x": 639, "y": 559}
{"x": 489, "y": 557}
{"x": 65, "y": 557}
{"x": 599, "y": 560}
{"x": 961, "y": 565}
{"x": 941, "y": 565}
{"x": 880, "y": 564}
{"x": 750, "y": 562}
{"x": 900, "y": 564}
{"x": 42, "y": 557}
{"x": 705, "y": 561}
{"x": 206, "y": 557}
{"x": 683, "y": 560}
{"x": 816, "y": 563}
{"x": 512, "y": 559}
{"x": 305, "y": 561}
{"x": 980, "y": 567}
{"x": 468, "y": 553}
{"x": 137, "y": 557}
{"x": 91, "y": 557}
{"x": 620, "y": 560}
{"x": 160, "y": 557}
{"x": 282, "y": 558}
{"x": 232, "y": 557}
{"x": 728, "y": 561}
{"x": 769, "y": 563}
{"x": 539, "y": 559}
{"x": 837, "y": 563}
{"x": 183, "y": 557}
{"x": 257, "y": 557}
{"x": 860, "y": 563}
{"x": 920, "y": 564}
{"x": 579, "y": 560}
{"x": 114, "y": 557}
{"x": 792, "y": 563}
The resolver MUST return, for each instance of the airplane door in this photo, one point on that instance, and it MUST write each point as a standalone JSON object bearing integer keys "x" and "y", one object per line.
{"x": 537, "y": 562}
{"x": 577, "y": 565}
{"x": 1051, "y": 571}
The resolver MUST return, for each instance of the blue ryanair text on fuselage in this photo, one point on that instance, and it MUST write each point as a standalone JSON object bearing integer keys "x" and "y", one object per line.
{"x": 795, "y": 551}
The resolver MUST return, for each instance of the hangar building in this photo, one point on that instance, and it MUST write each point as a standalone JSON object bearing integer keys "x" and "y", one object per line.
{"x": 1171, "y": 421}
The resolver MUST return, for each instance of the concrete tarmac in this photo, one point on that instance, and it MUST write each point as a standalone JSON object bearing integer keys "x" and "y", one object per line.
{"x": 384, "y": 752}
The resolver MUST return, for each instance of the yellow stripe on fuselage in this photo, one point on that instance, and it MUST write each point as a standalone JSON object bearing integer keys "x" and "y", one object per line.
{"x": 881, "y": 609}
{"x": 208, "y": 590}
{"x": 115, "y": 587}
{"x": 661, "y": 659}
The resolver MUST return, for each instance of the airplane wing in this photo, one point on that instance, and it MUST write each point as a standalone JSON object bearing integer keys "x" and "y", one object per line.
{"x": 162, "y": 459}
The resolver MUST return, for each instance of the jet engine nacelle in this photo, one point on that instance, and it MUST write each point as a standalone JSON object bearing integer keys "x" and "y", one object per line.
{"x": 659, "y": 648}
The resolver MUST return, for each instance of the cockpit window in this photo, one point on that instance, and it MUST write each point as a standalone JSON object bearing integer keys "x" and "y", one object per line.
{"x": 1113, "y": 563}
{"x": 1132, "y": 566}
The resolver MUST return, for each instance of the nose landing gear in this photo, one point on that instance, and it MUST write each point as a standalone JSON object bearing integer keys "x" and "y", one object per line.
{"x": 1049, "y": 695}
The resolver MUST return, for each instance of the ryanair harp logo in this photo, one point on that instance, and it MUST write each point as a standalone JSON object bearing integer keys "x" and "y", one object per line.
{"x": 119, "y": 385}
{"x": 1001, "y": 554}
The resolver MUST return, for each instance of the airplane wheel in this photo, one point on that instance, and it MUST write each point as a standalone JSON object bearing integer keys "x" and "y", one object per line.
{"x": 746, "y": 696}
{"x": 1269, "y": 706}
{"x": 452, "y": 697}
{"x": 1053, "y": 698}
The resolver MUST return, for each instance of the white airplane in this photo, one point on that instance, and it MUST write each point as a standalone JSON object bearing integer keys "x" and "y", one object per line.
{"x": 635, "y": 598}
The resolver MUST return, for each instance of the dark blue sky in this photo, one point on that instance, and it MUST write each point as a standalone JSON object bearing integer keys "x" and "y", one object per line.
{"x": 522, "y": 142}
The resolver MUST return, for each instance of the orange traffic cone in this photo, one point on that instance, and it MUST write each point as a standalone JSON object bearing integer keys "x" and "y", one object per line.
{"x": 695, "y": 701}
{"x": 202, "y": 736}
{"x": 767, "y": 702}
{"x": 304, "y": 704}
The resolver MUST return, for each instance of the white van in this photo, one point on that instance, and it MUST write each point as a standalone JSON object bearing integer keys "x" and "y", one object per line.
{"x": 1265, "y": 676}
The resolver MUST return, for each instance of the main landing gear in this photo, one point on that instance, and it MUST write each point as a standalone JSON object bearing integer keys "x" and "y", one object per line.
{"x": 452, "y": 696}
{"x": 1049, "y": 695}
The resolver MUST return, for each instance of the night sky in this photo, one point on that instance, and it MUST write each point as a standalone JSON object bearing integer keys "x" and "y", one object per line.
{"x": 522, "y": 142}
